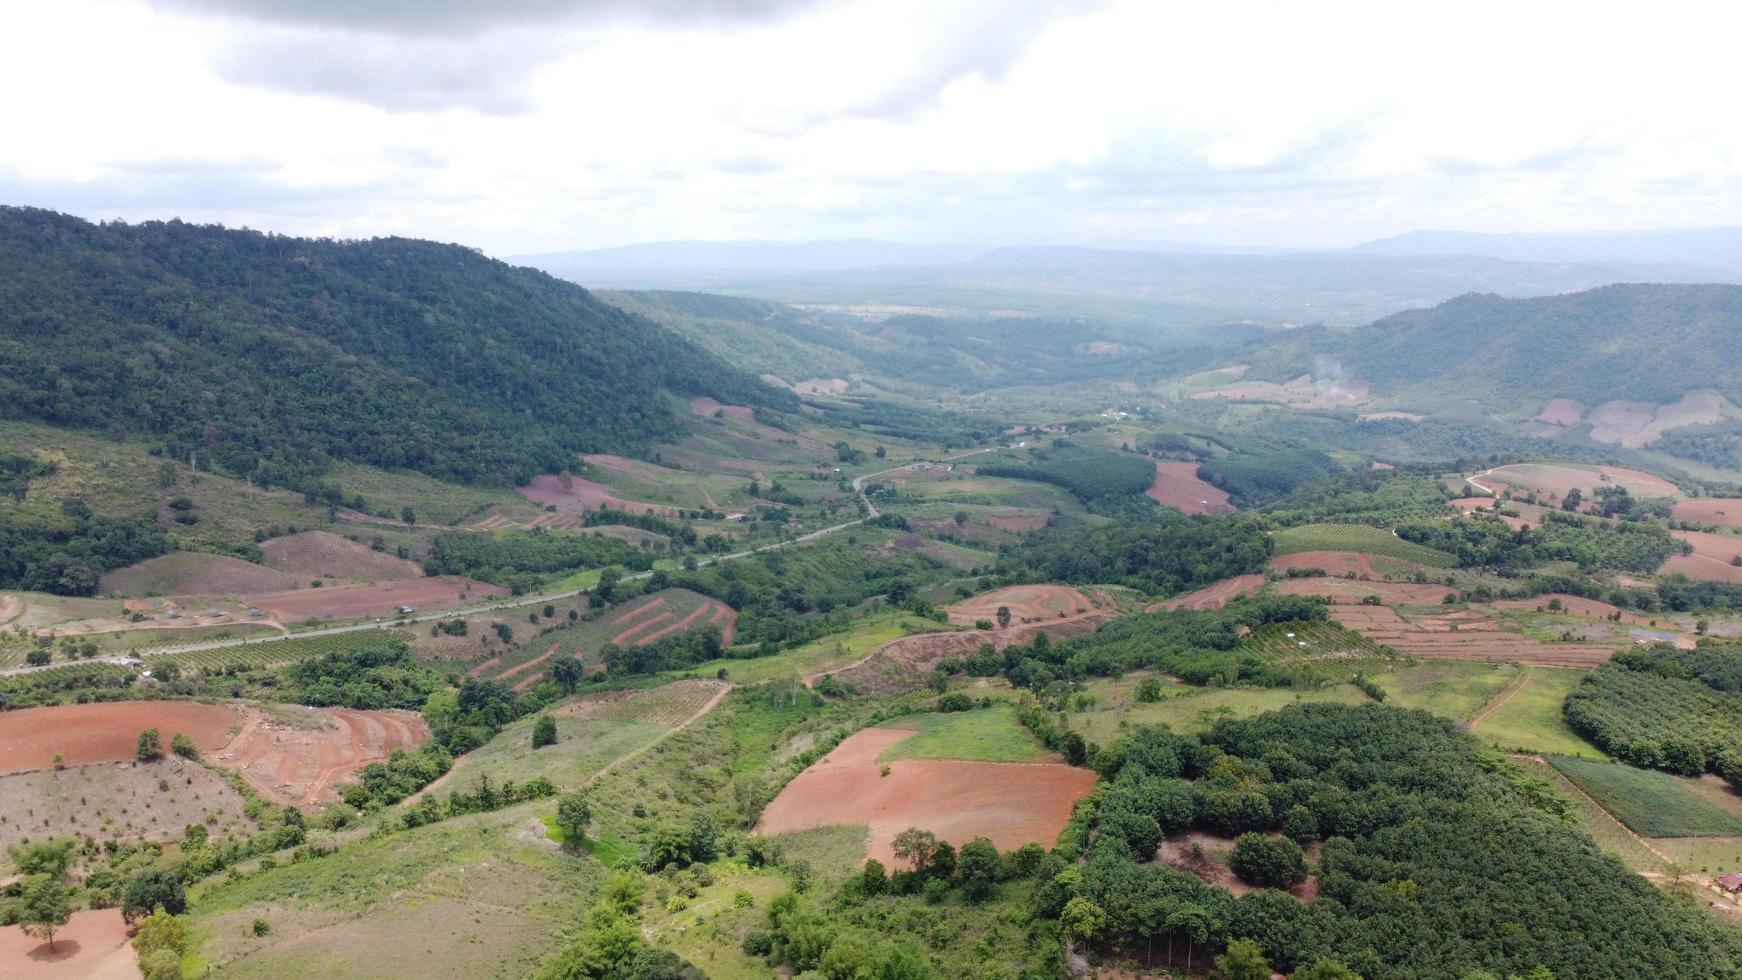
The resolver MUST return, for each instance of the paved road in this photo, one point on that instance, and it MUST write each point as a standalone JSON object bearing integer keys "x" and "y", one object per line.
{"x": 871, "y": 513}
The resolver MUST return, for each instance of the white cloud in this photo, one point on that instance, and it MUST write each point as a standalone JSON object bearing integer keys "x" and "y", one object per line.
{"x": 547, "y": 125}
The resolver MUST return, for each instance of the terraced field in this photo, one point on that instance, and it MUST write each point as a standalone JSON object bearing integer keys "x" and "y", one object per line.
{"x": 638, "y": 622}
{"x": 1464, "y": 634}
{"x": 1357, "y": 537}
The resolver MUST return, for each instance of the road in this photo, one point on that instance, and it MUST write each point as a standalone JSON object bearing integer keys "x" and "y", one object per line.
{"x": 871, "y": 513}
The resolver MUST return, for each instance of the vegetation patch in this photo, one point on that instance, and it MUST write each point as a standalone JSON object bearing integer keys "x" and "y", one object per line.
{"x": 1653, "y": 804}
{"x": 1357, "y": 537}
{"x": 984, "y": 735}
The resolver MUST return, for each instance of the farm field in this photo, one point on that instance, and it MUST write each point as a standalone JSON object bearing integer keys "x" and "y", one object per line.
{"x": 278, "y": 652}
{"x": 638, "y": 622}
{"x": 324, "y": 555}
{"x": 107, "y": 731}
{"x": 118, "y": 800}
{"x": 1609, "y": 833}
{"x": 92, "y": 945}
{"x": 1452, "y": 633}
{"x": 1027, "y": 604}
{"x": 382, "y": 600}
{"x": 1651, "y": 803}
{"x": 1177, "y": 486}
{"x": 592, "y": 731}
{"x": 1213, "y": 596}
{"x": 1711, "y": 558}
{"x": 1356, "y": 537}
{"x": 818, "y": 657}
{"x": 480, "y": 895}
{"x": 297, "y": 756}
{"x": 1190, "y": 709}
{"x": 1527, "y": 717}
{"x": 1010, "y": 803}
{"x": 195, "y": 573}
{"x": 1555, "y": 479}
{"x": 1725, "y": 511}
{"x": 982, "y": 735}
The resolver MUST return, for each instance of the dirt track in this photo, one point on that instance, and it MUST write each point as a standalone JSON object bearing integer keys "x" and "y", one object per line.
{"x": 1010, "y": 803}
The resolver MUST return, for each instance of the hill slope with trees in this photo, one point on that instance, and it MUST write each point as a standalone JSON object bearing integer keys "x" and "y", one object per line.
{"x": 273, "y": 357}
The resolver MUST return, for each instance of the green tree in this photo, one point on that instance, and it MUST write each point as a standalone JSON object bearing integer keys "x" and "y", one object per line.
{"x": 160, "y": 964}
{"x": 152, "y": 889}
{"x": 150, "y": 746}
{"x": 1325, "y": 968}
{"x": 979, "y": 867}
{"x": 543, "y": 732}
{"x": 573, "y": 816}
{"x": 1244, "y": 960}
{"x": 44, "y": 906}
{"x": 1003, "y": 617}
{"x": 48, "y": 857}
{"x": 1270, "y": 862}
{"x": 916, "y": 847}
{"x": 1082, "y": 919}
{"x": 160, "y": 930}
{"x": 567, "y": 672}
{"x": 183, "y": 746}
{"x": 1149, "y": 690}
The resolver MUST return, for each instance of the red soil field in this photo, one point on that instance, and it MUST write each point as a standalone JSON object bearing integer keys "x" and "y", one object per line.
{"x": 577, "y": 495}
{"x": 1710, "y": 561}
{"x": 1726, "y": 511}
{"x": 1212, "y": 596}
{"x": 1009, "y": 803}
{"x": 189, "y": 573}
{"x": 1027, "y": 603}
{"x": 93, "y": 945}
{"x": 1559, "y": 411}
{"x": 1476, "y": 637}
{"x": 1332, "y": 562}
{"x": 1177, "y": 485}
{"x": 1555, "y": 480}
{"x": 107, "y": 731}
{"x": 301, "y": 761}
{"x": 1354, "y": 590}
{"x": 904, "y": 664}
{"x": 384, "y": 599}
{"x": 315, "y": 554}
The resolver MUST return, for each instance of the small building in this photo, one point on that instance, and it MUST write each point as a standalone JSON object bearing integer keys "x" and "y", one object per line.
{"x": 405, "y": 610}
{"x": 1731, "y": 882}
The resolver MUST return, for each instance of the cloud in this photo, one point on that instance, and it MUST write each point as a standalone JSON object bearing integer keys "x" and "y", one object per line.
{"x": 464, "y": 17}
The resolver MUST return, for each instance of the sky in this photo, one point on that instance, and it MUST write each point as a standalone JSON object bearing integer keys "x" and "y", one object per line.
{"x": 539, "y": 125}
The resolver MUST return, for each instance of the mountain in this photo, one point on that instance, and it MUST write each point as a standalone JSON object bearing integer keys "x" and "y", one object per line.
{"x": 696, "y": 263}
{"x": 1648, "y": 343}
{"x": 273, "y": 357}
{"x": 1718, "y": 250}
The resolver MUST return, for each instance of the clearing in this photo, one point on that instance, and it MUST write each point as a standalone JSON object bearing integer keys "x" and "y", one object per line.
{"x": 325, "y": 555}
{"x": 1213, "y": 596}
{"x": 1356, "y": 537}
{"x": 195, "y": 573}
{"x": 107, "y": 731}
{"x": 93, "y": 945}
{"x": 1010, "y": 803}
{"x": 1724, "y": 511}
{"x": 984, "y": 735}
{"x": 1177, "y": 485}
{"x": 1554, "y": 480}
{"x": 301, "y": 756}
{"x": 1711, "y": 560}
{"x": 1027, "y": 604}
{"x": 119, "y": 800}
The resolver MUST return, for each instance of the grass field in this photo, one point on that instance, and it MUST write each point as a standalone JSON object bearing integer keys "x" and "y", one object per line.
{"x": 985, "y": 735}
{"x": 1454, "y": 689}
{"x": 1190, "y": 709}
{"x": 1531, "y": 719}
{"x": 583, "y": 747}
{"x": 1651, "y": 803}
{"x": 480, "y": 896}
{"x": 1357, "y": 537}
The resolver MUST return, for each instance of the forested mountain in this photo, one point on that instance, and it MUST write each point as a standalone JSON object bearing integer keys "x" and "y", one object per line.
{"x": 273, "y": 356}
{"x": 1645, "y": 342}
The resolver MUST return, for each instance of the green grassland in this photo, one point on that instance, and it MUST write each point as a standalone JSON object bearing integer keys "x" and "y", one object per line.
{"x": 583, "y": 747}
{"x": 1651, "y": 803}
{"x": 829, "y": 653}
{"x": 480, "y": 895}
{"x": 1454, "y": 689}
{"x": 433, "y": 501}
{"x": 1357, "y": 537}
{"x": 985, "y": 735}
{"x": 1610, "y": 834}
{"x": 1531, "y": 719}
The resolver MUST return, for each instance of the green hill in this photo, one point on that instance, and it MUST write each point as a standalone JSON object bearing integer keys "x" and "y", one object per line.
{"x": 275, "y": 357}
{"x": 1649, "y": 343}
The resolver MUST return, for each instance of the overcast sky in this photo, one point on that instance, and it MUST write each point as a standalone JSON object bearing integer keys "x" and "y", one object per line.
{"x": 532, "y": 125}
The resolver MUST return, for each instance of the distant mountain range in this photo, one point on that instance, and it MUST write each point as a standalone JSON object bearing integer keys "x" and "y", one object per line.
{"x": 690, "y": 263}
{"x": 1709, "y": 248}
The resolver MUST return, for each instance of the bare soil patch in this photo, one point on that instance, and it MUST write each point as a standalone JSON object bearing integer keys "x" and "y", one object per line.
{"x": 118, "y": 800}
{"x": 1330, "y": 562}
{"x": 93, "y": 945}
{"x": 577, "y": 495}
{"x": 1724, "y": 511}
{"x": 1391, "y": 416}
{"x": 107, "y": 731}
{"x": 1009, "y": 803}
{"x": 1027, "y": 604}
{"x": 1177, "y": 485}
{"x": 1213, "y": 596}
{"x": 1710, "y": 561}
{"x": 195, "y": 573}
{"x": 822, "y": 386}
{"x": 304, "y": 755}
{"x": 383, "y": 599}
{"x": 1560, "y": 411}
{"x": 1555, "y": 480}
{"x": 322, "y": 554}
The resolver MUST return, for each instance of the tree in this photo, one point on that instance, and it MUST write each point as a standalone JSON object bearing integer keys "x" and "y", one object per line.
{"x": 183, "y": 746}
{"x": 916, "y": 847}
{"x": 150, "y": 746}
{"x": 1082, "y": 919}
{"x": 1572, "y": 499}
{"x": 1325, "y": 968}
{"x": 961, "y": 518}
{"x": 874, "y": 879}
{"x": 1149, "y": 690}
{"x": 543, "y": 732}
{"x": 44, "y": 907}
{"x": 48, "y": 857}
{"x": 1003, "y": 617}
{"x": 979, "y": 867}
{"x": 1244, "y": 960}
{"x": 160, "y": 930}
{"x": 567, "y": 672}
{"x": 160, "y": 964}
{"x": 407, "y": 515}
{"x": 38, "y": 658}
{"x": 1270, "y": 862}
{"x": 573, "y": 816}
{"x": 152, "y": 889}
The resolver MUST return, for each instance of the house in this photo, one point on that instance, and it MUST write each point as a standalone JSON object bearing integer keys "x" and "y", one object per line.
{"x": 405, "y": 610}
{"x": 1731, "y": 882}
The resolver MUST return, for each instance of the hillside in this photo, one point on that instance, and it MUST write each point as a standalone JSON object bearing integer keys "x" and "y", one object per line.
{"x": 275, "y": 357}
{"x": 1649, "y": 343}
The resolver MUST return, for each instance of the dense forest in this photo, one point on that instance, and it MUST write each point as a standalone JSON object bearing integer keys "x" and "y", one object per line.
{"x": 1438, "y": 860}
{"x": 1171, "y": 555}
{"x": 271, "y": 357}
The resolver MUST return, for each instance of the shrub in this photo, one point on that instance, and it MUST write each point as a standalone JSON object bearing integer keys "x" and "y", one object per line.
{"x": 1270, "y": 862}
{"x": 543, "y": 732}
{"x": 150, "y": 746}
{"x": 183, "y": 746}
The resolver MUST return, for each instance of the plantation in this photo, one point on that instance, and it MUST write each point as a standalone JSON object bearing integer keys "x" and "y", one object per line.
{"x": 277, "y": 653}
{"x": 1653, "y": 804}
{"x": 1647, "y": 708}
{"x": 1357, "y": 537}
{"x": 1089, "y": 474}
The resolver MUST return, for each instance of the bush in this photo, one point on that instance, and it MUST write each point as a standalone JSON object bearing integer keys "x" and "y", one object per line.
{"x": 151, "y": 889}
{"x": 1269, "y": 862}
{"x": 543, "y": 732}
{"x": 183, "y": 746}
{"x": 150, "y": 746}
